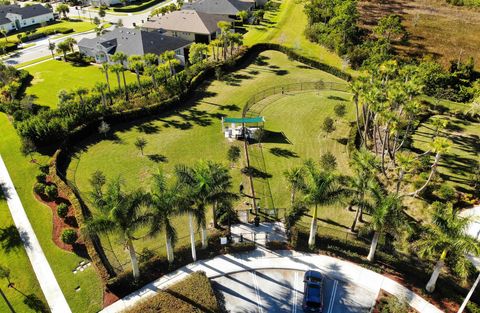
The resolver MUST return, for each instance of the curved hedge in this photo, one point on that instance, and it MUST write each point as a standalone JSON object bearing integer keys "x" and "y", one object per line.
{"x": 136, "y": 8}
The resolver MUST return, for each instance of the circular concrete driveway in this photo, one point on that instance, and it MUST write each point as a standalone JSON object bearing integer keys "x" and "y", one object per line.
{"x": 277, "y": 290}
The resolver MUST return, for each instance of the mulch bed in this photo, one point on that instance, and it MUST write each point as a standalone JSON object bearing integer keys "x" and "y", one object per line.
{"x": 109, "y": 298}
{"x": 383, "y": 295}
{"x": 59, "y": 225}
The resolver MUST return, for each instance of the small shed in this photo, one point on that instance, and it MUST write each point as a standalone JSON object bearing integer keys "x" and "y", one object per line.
{"x": 241, "y": 127}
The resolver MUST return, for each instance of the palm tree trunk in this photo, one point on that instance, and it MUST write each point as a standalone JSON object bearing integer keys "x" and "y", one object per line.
{"x": 432, "y": 172}
{"x": 313, "y": 229}
{"x": 204, "y": 236}
{"x": 373, "y": 246}
{"x": 7, "y": 302}
{"x": 192, "y": 236}
{"x": 125, "y": 85}
{"x": 357, "y": 116}
{"x": 133, "y": 259}
{"x": 292, "y": 196}
{"x": 118, "y": 81}
{"x": 169, "y": 247}
{"x": 354, "y": 224}
{"x": 400, "y": 178}
{"x": 433, "y": 279}
{"x": 214, "y": 211}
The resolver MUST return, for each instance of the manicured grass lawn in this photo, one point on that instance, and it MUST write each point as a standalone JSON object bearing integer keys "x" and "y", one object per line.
{"x": 194, "y": 132}
{"x": 22, "y": 172}
{"x": 78, "y": 27}
{"x": 286, "y": 26}
{"x": 52, "y": 76}
{"x": 21, "y": 272}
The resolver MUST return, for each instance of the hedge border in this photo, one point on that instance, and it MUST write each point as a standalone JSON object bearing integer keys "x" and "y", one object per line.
{"x": 140, "y": 7}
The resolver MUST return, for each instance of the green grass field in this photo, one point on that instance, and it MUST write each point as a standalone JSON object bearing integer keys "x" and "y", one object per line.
{"x": 21, "y": 272}
{"x": 194, "y": 133}
{"x": 22, "y": 172}
{"x": 52, "y": 76}
{"x": 279, "y": 28}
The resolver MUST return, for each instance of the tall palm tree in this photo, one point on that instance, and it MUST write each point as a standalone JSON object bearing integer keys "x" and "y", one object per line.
{"x": 445, "y": 236}
{"x": 122, "y": 213}
{"x": 152, "y": 71}
{"x": 100, "y": 88}
{"x": 358, "y": 188}
{"x": 296, "y": 180}
{"x": 121, "y": 58}
{"x": 439, "y": 146}
{"x": 136, "y": 64}
{"x": 164, "y": 202}
{"x": 80, "y": 92}
{"x": 211, "y": 183}
{"x": 405, "y": 163}
{"x": 117, "y": 68}
{"x": 71, "y": 42}
{"x": 386, "y": 216}
{"x": 104, "y": 69}
{"x": 321, "y": 188}
{"x": 168, "y": 57}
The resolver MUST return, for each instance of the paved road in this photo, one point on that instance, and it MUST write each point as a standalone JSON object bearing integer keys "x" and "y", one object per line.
{"x": 282, "y": 291}
{"x": 48, "y": 282}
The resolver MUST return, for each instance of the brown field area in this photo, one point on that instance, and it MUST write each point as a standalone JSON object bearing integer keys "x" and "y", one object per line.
{"x": 435, "y": 28}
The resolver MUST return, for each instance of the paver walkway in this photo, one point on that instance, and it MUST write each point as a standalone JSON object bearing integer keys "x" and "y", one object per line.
{"x": 263, "y": 259}
{"x": 55, "y": 298}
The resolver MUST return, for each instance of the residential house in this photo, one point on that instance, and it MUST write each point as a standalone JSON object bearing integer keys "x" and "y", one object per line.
{"x": 15, "y": 17}
{"x": 228, "y": 8}
{"x": 187, "y": 24}
{"x": 132, "y": 42}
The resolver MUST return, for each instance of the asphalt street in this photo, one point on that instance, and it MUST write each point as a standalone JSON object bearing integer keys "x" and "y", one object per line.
{"x": 277, "y": 290}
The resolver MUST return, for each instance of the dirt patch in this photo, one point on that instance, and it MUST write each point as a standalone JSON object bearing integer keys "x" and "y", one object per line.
{"x": 436, "y": 28}
{"x": 109, "y": 298}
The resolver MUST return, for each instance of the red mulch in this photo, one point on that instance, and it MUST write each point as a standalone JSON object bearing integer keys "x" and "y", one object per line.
{"x": 109, "y": 298}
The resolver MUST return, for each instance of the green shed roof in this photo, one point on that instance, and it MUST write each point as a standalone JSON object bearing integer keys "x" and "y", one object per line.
{"x": 239, "y": 120}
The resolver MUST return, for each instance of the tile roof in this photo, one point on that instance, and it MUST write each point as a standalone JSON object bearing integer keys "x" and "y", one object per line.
{"x": 189, "y": 21}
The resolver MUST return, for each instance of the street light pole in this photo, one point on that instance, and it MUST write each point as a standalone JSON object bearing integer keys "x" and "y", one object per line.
{"x": 469, "y": 295}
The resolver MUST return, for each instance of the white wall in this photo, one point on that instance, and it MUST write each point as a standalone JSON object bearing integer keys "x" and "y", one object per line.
{"x": 36, "y": 20}
{"x": 8, "y": 27}
{"x": 184, "y": 35}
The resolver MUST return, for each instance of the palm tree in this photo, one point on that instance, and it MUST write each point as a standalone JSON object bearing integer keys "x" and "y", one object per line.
{"x": 121, "y": 58}
{"x": 152, "y": 71}
{"x": 439, "y": 146}
{"x": 296, "y": 179}
{"x": 358, "y": 188}
{"x": 444, "y": 236}
{"x": 71, "y": 42}
{"x": 474, "y": 109}
{"x": 51, "y": 47}
{"x": 121, "y": 213}
{"x": 320, "y": 188}
{"x": 63, "y": 9}
{"x": 406, "y": 163}
{"x": 168, "y": 57}
{"x": 164, "y": 203}
{"x": 150, "y": 59}
{"x": 210, "y": 182}
{"x": 100, "y": 88}
{"x": 80, "y": 92}
{"x": 136, "y": 64}
{"x": 3, "y": 32}
{"x": 386, "y": 216}
{"x": 63, "y": 47}
{"x": 243, "y": 16}
{"x": 117, "y": 68}
{"x": 224, "y": 36}
{"x": 104, "y": 69}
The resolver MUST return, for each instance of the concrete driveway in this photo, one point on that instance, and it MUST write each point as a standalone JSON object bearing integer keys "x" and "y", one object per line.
{"x": 276, "y": 290}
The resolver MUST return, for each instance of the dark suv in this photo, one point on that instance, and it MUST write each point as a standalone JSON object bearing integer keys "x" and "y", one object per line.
{"x": 313, "y": 292}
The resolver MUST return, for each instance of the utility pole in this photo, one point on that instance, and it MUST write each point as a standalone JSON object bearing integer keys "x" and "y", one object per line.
{"x": 247, "y": 157}
{"x": 469, "y": 295}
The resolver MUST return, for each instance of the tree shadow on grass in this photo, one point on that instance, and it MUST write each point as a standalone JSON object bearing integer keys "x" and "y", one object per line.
{"x": 275, "y": 137}
{"x": 148, "y": 128}
{"x": 10, "y": 238}
{"x": 283, "y": 153}
{"x": 157, "y": 158}
{"x": 255, "y": 173}
{"x": 337, "y": 98}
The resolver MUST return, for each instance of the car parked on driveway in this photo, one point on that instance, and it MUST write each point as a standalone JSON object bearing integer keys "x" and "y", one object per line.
{"x": 313, "y": 292}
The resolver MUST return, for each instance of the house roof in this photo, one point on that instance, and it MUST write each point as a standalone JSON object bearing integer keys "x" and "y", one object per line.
{"x": 25, "y": 12}
{"x": 4, "y": 20}
{"x": 134, "y": 41}
{"x": 226, "y": 7}
{"x": 189, "y": 21}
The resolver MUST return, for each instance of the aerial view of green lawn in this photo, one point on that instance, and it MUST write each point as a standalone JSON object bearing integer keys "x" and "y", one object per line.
{"x": 378, "y": 170}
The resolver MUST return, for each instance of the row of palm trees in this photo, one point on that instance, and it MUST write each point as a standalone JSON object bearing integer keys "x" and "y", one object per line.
{"x": 128, "y": 214}
{"x": 444, "y": 236}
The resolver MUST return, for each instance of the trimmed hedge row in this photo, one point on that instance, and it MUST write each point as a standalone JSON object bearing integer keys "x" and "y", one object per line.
{"x": 45, "y": 33}
{"x": 140, "y": 7}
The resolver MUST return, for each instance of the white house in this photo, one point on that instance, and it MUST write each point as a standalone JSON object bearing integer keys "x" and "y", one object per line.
{"x": 15, "y": 17}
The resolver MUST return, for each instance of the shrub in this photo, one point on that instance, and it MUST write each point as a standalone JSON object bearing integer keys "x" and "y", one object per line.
{"x": 446, "y": 192}
{"x": 240, "y": 247}
{"x": 39, "y": 188}
{"x": 62, "y": 210}
{"x": 136, "y": 8}
{"x": 64, "y": 30}
{"x": 41, "y": 178}
{"x": 328, "y": 161}
{"x": 69, "y": 236}
{"x": 51, "y": 192}
{"x": 276, "y": 245}
{"x": 340, "y": 109}
{"x": 328, "y": 125}
{"x": 393, "y": 305}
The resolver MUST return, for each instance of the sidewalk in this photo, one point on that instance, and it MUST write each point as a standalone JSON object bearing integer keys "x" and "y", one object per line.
{"x": 48, "y": 283}
{"x": 263, "y": 259}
